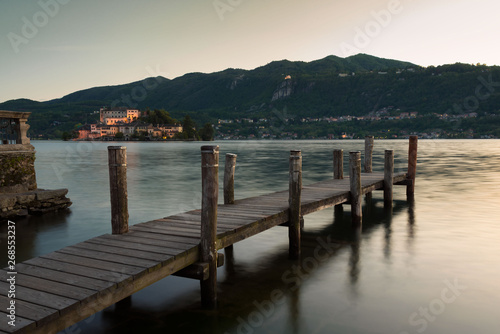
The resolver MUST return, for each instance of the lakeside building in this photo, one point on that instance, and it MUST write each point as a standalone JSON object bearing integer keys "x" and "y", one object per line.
{"x": 110, "y": 116}
{"x": 125, "y": 121}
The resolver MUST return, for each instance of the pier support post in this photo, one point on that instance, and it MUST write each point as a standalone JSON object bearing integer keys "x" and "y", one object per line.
{"x": 294, "y": 200}
{"x": 210, "y": 194}
{"x": 117, "y": 162}
{"x": 338, "y": 164}
{"x": 368, "y": 165}
{"x": 338, "y": 174}
{"x": 229, "y": 178}
{"x": 412, "y": 166}
{"x": 388, "y": 178}
{"x": 355, "y": 183}
{"x": 369, "y": 142}
{"x": 229, "y": 169}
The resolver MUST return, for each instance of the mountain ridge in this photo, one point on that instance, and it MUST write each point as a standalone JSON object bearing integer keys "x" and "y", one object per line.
{"x": 331, "y": 86}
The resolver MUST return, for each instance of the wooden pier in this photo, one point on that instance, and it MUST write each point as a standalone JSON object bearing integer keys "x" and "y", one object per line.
{"x": 59, "y": 289}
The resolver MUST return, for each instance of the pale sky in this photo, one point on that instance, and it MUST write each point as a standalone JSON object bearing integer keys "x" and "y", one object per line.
{"x": 50, "y": 48}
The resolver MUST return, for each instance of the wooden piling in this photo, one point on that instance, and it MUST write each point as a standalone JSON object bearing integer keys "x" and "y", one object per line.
{"x": 229, "y": 169}
{"x": 388, "y": 178}
{"x": 338, "y": 174}
{"x": 117, "y": 162}
{"x": 294, "y": 201}
{"x": 210, "y": 194}
{"x": 229, "y": 178}
{"x": 355, "y": 187}
{"x": 412, "y": 165}
{"x": 369, "y": 143}
{"x": 338, "y": 164}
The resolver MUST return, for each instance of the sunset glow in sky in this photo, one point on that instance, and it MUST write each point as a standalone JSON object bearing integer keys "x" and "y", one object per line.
{"x": 50, "y": 48}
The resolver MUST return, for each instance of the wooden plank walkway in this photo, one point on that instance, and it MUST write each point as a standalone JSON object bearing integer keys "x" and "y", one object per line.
{"x": 56, "y": 290}
{"x": 59, "y": 289}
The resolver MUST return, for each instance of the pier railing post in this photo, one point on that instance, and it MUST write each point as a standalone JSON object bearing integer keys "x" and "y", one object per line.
{"x": 388, "y": 178}
{"x": 229, "y": 169}
{"x": 229, "y": 178}
{"x": 210, "y": 194}
{"x": 412, "y": 165}
{"x": 338, "y": 164}
{"x": 355, "y": 183}
{"x": 117, "y": 162}
{"x": 294, "y": 201}
{"x": 338, "y": 174}
{"x": 368, "y": 153}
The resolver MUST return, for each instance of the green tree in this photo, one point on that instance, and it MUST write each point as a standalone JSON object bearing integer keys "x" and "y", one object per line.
{"x": 66, "y": 136}
{"x": 119, "y": 135}
{"x": 189, "y": 128}
{"x": 207, "y": 132}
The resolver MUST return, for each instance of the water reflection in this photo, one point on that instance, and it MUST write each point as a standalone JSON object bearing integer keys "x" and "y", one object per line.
{"x": 370, "y": 281}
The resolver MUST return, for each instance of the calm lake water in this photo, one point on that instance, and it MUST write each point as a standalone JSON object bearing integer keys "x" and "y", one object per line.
{"x": 431, "y": 267}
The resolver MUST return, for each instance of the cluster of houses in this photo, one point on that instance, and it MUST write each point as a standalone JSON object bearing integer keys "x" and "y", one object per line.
{"x": 125, "y": 123}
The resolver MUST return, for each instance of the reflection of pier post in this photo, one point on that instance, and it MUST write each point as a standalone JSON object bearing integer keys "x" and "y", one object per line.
{"x": 354, "y": 269}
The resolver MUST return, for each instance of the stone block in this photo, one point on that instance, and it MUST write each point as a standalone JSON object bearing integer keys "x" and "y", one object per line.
{"x": 25, "y": 198}
{"x": 7, "y": 201}
{"x": 44, "y": 195}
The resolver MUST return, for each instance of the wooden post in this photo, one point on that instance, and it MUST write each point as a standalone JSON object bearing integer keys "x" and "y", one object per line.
{"x": 368, "y": 153}
{"x": 338, "y": 164}
{"x": 294, "y": 201}
{"x": 229, "y": 178}
{"x": 412, "y": 165}
{"x": 229, "y": 188}
{"x": 210, "y": 195}
{"x": 388, "y": 177}
{"x": 355, "y": 183}
{"x": 117, "y": 161}
{"x": 338, "y": 174}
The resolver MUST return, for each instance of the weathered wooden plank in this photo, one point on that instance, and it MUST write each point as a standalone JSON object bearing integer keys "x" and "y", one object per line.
{"x": 165, "y": 237}
{"x": 40, "y": 298}
{"x": 94, "y": 254}
{"x": 194, "y": 226}
{"x": 56, "y": 288}
{"x": 93, "y": 263}
{"x": 79, "y": 270}
{"x": 123, "y": 251}
{"x": 108, "y": 298}
{"x": 57, "y": 276}
{"x": 192, "y": 229}
{"x": 253, "y": 229}
{"x": 167, "y": 246}
{"x": 29, "y": 311}
{"x": 172, "y": 223}
{"x": 154, "y": 230}
{"x": 162, "y": 248}
{"x": 23, "y": 325}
